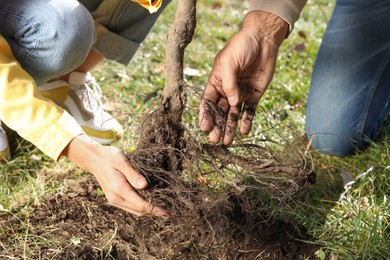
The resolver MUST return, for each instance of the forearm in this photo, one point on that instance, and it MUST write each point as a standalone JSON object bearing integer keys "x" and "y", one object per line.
{"x": 266, "y": 25}
{"x": 82, "y": 150}
{"x": 289, "y": 10}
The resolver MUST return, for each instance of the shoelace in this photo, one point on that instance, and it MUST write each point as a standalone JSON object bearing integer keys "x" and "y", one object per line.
{"x": 91, "y": 97}
{"x": 1, "y": 129}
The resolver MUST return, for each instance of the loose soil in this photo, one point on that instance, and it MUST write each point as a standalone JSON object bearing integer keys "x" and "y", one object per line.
{"x": 79, "y": 224}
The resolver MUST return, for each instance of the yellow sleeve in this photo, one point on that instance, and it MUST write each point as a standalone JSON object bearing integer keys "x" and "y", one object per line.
{"x": 151, "y": 5}
{"x": 289, "y": 10}
{"x": 26, "y": 111}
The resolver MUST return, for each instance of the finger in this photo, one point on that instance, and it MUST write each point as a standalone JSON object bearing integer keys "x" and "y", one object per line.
{"x": 131, "y": 201}
{"x": 219, "y": 120}
{"x": 133, "y": 177}
{"x": 247, "y": 117}
{"x": 206, "y": 115}
{"x": 151, "y": 210}
{"x": 231, "y": 124}
{"x": 209, "y": 100}
{"x": 256, "y": 88}
{"x": 230, "y": 82}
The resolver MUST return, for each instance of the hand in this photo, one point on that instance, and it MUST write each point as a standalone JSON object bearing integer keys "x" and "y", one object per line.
{"x": 241, "y": 73}
{"x": 116, "y": 176}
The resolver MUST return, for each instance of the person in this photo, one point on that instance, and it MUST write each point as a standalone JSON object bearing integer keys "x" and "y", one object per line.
{"x": 49, "y": 97}
{"x": 348, "y": 98}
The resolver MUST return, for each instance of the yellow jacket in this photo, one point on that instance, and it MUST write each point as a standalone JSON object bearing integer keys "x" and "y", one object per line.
{"x": 34, "y": 117}
{"x": 23, "y": 109}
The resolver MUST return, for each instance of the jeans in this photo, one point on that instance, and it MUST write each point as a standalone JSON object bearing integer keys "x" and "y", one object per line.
{"x": 350, "y": 86}
{"x": 51, "y": 38}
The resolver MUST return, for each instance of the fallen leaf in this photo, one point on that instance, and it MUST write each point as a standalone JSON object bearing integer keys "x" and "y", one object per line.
{"x": 302, "y": 34}
{"x": 300, "y": 47}
{"x": 191, "y": 72}
{"x": 36, "y": 158}
{"x": 75, "y": 241}
{"x": 160, "y": 68}
{"x": 217, "y": 5}
{"x": 123, "y": 76}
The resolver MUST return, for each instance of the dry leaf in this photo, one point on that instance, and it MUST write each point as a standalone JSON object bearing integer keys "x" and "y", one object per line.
{"x": 217, "y": 5}
{"x": 302, "y": 34}
{"x": 300, "y": 47}
{"x": 191, "y": 72}
{"x": 160, "y": 68}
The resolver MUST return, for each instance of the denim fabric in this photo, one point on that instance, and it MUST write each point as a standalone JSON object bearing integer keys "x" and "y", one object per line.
{"x": 49, "y": 38}
{"x": 350, "y": 87}
{"x": 126, "y": 25}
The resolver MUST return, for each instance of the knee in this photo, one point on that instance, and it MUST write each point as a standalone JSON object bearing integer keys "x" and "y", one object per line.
{"x": 334, "y": 138}
{"x": 332, "y": 144}
{"x": 55, "y": 37}
{"x": 332, "y": 119}
{"x": 72, "y": 35}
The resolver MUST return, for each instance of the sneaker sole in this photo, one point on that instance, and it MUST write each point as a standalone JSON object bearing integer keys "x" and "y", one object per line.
{"x": 67, "y": 99}
{"x": 5, "y": 155}
{"x": 102, "y": 137}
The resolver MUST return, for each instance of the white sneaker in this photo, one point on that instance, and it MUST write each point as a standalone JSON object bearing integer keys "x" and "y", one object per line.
{"x": 5, "y": 152}
{"x": 81, "y": 97}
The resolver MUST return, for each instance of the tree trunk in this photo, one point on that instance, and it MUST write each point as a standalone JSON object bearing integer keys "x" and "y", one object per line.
{"x": 174, "y": 99}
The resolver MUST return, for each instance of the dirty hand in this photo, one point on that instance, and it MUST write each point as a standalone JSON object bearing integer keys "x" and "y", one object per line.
{"x": 241, "y": 72}
{"x": 116, "y": 176}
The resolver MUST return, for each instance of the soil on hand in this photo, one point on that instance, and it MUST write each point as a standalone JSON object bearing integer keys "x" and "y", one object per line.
{"x": 79, "y": 224}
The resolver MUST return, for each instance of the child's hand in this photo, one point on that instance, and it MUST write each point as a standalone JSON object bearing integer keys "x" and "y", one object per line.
{"x": 116, "y": 176}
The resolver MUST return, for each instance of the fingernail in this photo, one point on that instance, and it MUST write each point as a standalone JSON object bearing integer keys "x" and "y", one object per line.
{"x": 141, "y": 183}
{"x": 232, "y": 100}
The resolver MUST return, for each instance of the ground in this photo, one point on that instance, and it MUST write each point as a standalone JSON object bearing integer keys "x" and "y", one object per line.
{"x": 79, "y": 224}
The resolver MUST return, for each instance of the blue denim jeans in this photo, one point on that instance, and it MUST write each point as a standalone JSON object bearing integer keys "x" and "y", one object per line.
{"x": 350, "y": 87}
{"x": 50, "y": 38}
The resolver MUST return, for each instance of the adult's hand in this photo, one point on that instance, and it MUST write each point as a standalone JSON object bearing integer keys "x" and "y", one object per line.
{"x": 241, "y": 73}
{"x": 116, "y": 176}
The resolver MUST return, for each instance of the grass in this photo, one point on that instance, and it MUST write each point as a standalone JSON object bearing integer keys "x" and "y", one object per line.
{"x": 350, "y": 223}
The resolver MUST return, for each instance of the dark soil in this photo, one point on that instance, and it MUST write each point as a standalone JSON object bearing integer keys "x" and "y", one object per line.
{"x": 79, "y": 224}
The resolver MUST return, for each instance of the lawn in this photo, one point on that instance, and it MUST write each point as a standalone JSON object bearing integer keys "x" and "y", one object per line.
{"x": 342, "y": 221}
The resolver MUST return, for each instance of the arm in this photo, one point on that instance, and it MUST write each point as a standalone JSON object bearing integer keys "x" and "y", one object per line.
{"x": 288, "y": 10}
{"x": 26, "y": 111}
{"x": 242, "y": 71}
{"x": 56, "y": 133}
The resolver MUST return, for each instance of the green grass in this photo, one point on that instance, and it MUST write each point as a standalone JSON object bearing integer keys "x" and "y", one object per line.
{"x": 350, "y": 223}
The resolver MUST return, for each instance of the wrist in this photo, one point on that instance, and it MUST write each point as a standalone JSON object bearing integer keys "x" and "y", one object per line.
{"x": 266, "y": 24}
{"x": 80, "y": 150}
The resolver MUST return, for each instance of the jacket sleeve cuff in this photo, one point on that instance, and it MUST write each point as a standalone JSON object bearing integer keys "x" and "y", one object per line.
{"x": 288, "y": 10}
{"x": 54, "y": 140}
